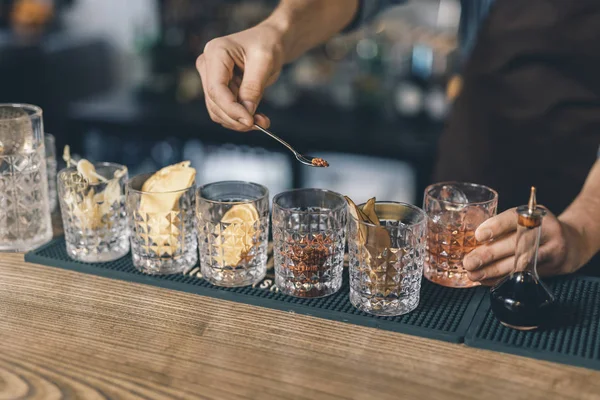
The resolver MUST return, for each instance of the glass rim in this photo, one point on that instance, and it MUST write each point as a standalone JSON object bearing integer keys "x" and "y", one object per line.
{"x": 471, "y": 203}
{"x": 37, "y": 110}
{"x": 103, "y": 164}
{"x": 419, "y": 210}
{"x": 149, "y": 174}
{"x": 262, "y": 197}
{"x": 291, "y": 191}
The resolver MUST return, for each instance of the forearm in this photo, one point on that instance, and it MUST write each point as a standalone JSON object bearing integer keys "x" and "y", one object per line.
{"x": 583, "y": 215}
{"x": 304, "y": 24}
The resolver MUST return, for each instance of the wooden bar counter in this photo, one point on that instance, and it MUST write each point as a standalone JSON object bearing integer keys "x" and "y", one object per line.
{"x": 71, "y": 335}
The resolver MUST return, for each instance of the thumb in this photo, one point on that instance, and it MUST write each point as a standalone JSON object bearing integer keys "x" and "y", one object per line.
{"x": 254, "y": 81}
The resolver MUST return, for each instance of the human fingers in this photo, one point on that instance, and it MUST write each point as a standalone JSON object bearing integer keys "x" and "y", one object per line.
{"x": 490, "y": 252}
{"x": 262, "y": 120}
{"x": 259, "y": 118}
{"x": 219, "y": 72}
{"x": 215, "y": 113}
{"x": 497, "y": 226}
{"x": 495, "y": 270}
{"x": 223, "y": 119}
{"x": 257, "y": 71}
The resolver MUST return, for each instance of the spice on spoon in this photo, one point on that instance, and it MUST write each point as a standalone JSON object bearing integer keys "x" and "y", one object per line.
{"x": 319, "y": 162}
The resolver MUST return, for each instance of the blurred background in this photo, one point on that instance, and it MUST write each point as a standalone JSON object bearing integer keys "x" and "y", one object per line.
{"x": 117, "y": 82}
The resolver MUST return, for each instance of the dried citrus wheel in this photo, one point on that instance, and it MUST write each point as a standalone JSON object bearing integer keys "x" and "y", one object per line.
{"x": 87, "y": 170}
{"x": 241, "y": 213}
{"x": 167, "y": 184}
{"x": 238, "y": 238}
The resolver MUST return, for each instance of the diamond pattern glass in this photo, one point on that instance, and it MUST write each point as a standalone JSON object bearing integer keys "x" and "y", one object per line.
{"x": 455, "y": 211}
{"x": 162, "y": 242}
{"x": 94, "y": 215}
{"x": 24, "y": 209}
{"x": 309, "y": 237}
{"x": 233, "y": 229}
{"x": 51, "y": 166}
{"x": 386, "y": 262}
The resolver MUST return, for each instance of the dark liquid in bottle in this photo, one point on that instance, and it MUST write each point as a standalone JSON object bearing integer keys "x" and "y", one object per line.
{"x": 522, "y": 302}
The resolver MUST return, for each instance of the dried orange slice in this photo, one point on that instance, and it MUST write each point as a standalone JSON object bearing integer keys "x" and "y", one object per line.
{"x": 241, "y": 213}
{"x": 238, "y": 238}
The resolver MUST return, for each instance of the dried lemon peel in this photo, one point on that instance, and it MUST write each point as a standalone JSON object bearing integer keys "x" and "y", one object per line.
{"x": 238, "y": 239}
{"x": 160, "y": 197}
{"x": 67, "y": 155}
{"x": 92, "y": 207}
{"x": 162, "y": 191}
{"x": 87, "y": 169}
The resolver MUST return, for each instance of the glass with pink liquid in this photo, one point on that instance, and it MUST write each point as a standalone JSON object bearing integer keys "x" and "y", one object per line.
{"x": 455, "y": 211}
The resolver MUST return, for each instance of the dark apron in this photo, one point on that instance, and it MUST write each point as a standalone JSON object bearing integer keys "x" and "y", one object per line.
{"x": 529, "y": 113}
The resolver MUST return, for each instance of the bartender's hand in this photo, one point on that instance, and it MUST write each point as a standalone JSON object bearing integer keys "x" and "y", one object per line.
{"x": 559, "y": 251}
{"x": 235, "y": 70}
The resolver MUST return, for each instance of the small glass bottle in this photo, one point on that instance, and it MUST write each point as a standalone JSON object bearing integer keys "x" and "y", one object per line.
{"x": 522, "y": 301}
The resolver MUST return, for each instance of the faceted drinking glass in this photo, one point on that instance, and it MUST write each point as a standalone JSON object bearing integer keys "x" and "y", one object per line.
{"x": 455, "y": 211}
{"x": 94, "y": 215}
{"x": 309, "y": 233}
{"x": 25, "y": 221}
{"x": 163, "y": 233}
{"x": 51, "y": 167}
{"x": 233, "y": 228}
{"x": 386, "y": 261}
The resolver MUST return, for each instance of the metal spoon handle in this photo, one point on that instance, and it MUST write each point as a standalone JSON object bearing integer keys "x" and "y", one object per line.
{"x": 283, "y": 142}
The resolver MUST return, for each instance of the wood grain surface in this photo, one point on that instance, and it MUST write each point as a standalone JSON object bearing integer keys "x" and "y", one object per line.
{"x": 70, "y": 335}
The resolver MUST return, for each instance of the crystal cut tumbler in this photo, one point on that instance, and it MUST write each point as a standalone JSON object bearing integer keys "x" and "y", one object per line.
{"x": 233, "y": 229}
{"x": 94, "y": 215}
{"x": 309, "y": 237}
{"x": 386, "y": 260}
{"x": 455, "y": 211}
{"x": 163, "y": 241}
{"x": 51, "y": 168}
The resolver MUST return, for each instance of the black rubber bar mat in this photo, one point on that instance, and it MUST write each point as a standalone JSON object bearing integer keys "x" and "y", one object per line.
{"x": 443, "y": 313}
{"x": 574, "y": 339}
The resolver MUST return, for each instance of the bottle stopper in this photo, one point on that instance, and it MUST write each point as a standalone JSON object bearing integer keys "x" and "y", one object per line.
{"x": 530, "y": 216}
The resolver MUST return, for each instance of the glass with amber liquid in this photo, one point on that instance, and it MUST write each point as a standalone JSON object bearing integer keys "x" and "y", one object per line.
{"x": 455, "y": 211}
{"x": 309, "y": 237}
